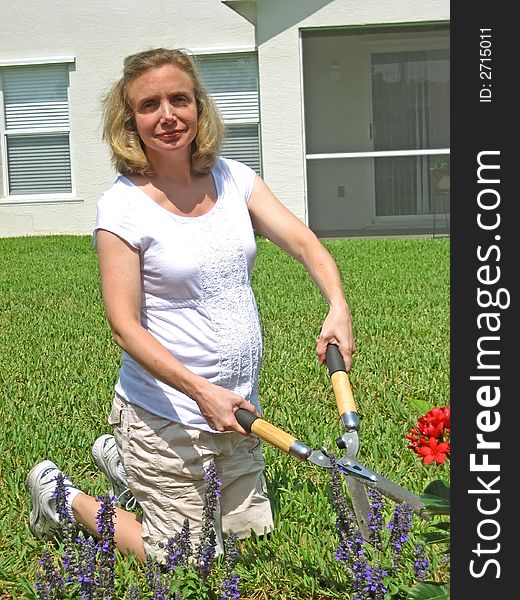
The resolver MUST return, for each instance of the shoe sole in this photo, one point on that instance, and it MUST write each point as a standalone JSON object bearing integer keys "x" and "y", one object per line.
{"x": 32, "y": 479}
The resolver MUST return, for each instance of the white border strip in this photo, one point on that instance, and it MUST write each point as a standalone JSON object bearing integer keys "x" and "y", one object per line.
{"x": 224, "y": 50}
{"x": 18, "y": 62}
{"x": 377, "y": 153}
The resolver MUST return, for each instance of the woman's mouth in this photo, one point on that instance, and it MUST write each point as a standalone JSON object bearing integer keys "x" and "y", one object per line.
{"x": 170, "y": 135}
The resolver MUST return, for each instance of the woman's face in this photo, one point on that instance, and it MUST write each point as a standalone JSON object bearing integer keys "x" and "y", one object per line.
{"x": 165, "y": 110}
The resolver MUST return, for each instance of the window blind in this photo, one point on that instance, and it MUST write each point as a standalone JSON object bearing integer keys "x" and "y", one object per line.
{"x": 232, "y": 81}
{"x": 39, "y": 164}
{"x": 36, "y": 111}
{"x": 241, "y": 143}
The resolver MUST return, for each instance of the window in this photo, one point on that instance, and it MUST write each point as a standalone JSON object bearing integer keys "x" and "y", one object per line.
{"x": 35, "y": 130}
{"x": 232, "y": 81}
{"x": 377, "y": 129}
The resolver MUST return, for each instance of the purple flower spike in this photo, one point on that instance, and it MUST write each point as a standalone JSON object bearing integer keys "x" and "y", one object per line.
{"x": 49, "y": 583}
{"x": 229, "y": 584}
{"x": 375, "y": 516}
{"x": 178, "y": 548}
{"x": 106, "y": 547}
{"x": 206, "y": 549}
{"x": 421, "y": 564}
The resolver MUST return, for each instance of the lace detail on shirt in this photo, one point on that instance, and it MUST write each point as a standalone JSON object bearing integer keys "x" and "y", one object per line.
{"x": 228, "y": 298}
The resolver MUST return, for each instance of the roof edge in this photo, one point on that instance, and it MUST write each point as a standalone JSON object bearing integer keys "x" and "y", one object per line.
{"x": 245, "y": 8}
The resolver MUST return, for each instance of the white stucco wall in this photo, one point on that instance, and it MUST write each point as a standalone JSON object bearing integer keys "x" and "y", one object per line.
{"x": 281, "y": 105}
{"x": 99, "y": 35}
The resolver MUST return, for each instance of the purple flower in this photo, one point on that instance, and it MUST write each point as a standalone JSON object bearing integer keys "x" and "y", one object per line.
{"x": 421, "y": 564}
{"x": 229, "y": 585}
{"x": 375, "y": 515}
{"x": 86, "y": 568}
{"x": 61, "y": 495}
{"x": 106, "y": 547}
{"x": 206, "y": 548}
{"x": 230, "y": 588}
{"x": 155, "y": 580}
{"x": 49, "y": 583}
{"x": 399, "y": 527}
{"x": 134, "y": 593}
{"x": 346, "y": 525}
{"x": 178, "y": 548}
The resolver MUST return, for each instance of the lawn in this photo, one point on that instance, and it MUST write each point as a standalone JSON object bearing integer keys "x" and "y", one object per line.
{"x": 58, "y": 366}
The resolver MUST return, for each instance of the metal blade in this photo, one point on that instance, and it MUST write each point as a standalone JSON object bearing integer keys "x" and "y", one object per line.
{"x": 400, "y": 495}
{"x": 360, "y": 504}
{"x": 387, "y": 487}
{"x": 356, "y": 489}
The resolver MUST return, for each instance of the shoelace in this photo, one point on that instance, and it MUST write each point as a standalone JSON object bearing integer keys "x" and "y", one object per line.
{"x": 130, "y": 503}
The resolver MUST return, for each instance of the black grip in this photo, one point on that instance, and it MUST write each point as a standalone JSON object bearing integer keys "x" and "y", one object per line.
{"x": 245, "y": 418}
{"x": 334, "y": 359}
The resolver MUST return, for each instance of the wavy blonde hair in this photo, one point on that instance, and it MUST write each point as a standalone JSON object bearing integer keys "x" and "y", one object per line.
{"x": 119, "y": 129}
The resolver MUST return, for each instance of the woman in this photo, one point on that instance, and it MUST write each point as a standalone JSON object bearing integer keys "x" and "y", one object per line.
{"x": 176, "y": 246}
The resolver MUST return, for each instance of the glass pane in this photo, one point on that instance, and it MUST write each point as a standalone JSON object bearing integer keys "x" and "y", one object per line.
{"x": 411, "y": 100}
{"x": 340, "y": 192}
{"x": 36, "y": 96}
{"x": 410, "y": 106}
{"x": 232, "y": 81}
{"x": 39, "y": 164}
{"x": 412, "y": 185}
{"x": 242, "y": 144}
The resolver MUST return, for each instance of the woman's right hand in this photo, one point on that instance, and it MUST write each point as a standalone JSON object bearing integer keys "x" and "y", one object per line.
{"x": 218, "y": 406}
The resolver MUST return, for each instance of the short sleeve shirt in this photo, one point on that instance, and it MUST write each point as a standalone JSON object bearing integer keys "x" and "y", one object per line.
{"x": 197, "y": 298}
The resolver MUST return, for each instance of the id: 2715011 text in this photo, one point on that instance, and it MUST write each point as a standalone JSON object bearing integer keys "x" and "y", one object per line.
{"x": 485, "y": 73}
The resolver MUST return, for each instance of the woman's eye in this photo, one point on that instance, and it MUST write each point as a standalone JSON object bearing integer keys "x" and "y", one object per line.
{"x": 148, "y": 105}
{"x": 180, "y": 100}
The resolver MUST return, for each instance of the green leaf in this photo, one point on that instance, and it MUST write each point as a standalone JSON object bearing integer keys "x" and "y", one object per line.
{"x": 430, "y": 590}
{"x": 444, "y": 526}
{"x": 423, "y": 405}
{"x": 436, "y": 497}
{"x": 436, "y": 538}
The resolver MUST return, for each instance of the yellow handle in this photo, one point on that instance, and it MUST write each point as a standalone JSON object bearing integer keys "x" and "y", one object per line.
{"x": 343, "y": 392}
{"x": 277, "y": 437}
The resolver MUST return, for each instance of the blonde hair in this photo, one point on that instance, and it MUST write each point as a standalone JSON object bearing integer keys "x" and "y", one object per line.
{"x": 119, "y": 129}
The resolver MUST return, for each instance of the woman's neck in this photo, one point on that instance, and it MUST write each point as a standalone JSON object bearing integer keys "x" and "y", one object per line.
{"x": 172, "y": 167}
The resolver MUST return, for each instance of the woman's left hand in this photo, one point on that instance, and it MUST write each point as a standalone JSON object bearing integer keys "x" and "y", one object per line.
{"x": 337, "y": 329}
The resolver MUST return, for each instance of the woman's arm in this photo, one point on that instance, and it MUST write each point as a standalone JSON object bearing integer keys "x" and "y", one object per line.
{"x": 272, "y": 220}
{"x": 119, "y": 266}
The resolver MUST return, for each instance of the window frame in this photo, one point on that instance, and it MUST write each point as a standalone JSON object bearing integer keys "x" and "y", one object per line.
{"x": 48, "y": 197}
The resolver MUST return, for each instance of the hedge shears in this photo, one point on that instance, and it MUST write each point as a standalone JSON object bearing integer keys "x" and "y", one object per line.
{"x": 359, "y": 477}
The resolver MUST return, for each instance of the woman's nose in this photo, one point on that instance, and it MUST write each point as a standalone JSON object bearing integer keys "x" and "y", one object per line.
{"x": 167, "y": 113}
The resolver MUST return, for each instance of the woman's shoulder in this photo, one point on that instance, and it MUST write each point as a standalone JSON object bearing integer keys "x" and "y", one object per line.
{"x": 234, "y": 176}
{"x": 231, "y": 170}
{"x": 119, "y": 192}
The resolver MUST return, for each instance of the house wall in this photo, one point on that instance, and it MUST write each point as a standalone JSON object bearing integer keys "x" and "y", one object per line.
{"x": 280, "y": 68}
{"x": 99, "y": 35}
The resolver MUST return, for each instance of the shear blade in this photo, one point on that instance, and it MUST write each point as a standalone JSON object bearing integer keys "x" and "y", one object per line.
{"x": 360, "y": 505}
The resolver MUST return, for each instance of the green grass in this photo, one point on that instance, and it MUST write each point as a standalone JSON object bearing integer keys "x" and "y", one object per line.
{"x": 58, "y": 366}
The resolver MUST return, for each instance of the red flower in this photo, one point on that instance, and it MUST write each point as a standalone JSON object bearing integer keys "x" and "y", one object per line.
{"x": 435, "y": 421}
{"x": 434, "y": 451}
{"x": 430, "y": 438}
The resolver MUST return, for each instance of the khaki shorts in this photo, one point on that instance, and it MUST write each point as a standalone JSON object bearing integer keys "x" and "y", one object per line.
{"x": 165, "y": 461}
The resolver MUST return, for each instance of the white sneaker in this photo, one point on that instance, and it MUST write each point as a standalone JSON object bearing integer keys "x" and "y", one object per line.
{"x": 106, "y": 457}
{"x": 44, "y": 520}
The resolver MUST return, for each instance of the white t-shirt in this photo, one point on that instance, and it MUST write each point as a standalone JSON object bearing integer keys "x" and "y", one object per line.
{"x": 196, "y": 290}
